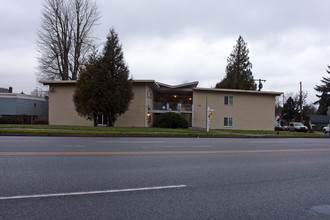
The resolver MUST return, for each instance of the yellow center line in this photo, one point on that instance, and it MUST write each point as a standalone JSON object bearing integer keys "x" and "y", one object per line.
{"x": 159, "y": 152}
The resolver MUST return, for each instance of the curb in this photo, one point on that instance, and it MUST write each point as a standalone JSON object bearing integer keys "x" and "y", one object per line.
{"x": 49, "y": 134}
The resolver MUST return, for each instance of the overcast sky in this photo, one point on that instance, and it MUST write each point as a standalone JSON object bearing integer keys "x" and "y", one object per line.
{"x": 175, "y": 41}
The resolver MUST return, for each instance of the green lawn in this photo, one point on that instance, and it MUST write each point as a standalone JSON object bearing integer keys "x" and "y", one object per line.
{"x": 271, "y": 133}
{"x": 60, "y": 129}
{"x": 101, "y": 130}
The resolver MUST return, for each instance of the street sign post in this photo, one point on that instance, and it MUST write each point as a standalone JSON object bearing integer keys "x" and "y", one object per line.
{"x": 209, "y": 115}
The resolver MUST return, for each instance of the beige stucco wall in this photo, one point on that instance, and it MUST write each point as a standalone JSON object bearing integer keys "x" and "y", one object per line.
{"x": 136, "y": 115}
{"x": 249, "y": 111}
{"x": 62, "y": 110}
{"x": 61, "y": 106}
{"x": 254, "y": 111}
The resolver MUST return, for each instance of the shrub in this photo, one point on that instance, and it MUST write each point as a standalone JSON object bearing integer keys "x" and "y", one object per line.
{"x": 41, "y": 121}
{"x": 170, "y": 120}
{"x": 10, "y": 120}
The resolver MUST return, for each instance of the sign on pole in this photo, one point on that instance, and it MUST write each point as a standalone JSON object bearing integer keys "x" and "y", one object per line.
{"x": 209, "y": 115}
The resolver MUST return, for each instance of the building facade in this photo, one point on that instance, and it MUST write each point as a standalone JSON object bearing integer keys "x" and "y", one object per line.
{"x": 233, "y": 109}
{"x": 26, "y": 107}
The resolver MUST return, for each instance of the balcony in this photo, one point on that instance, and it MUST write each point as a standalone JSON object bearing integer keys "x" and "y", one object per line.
{"x": 159, "y": 107}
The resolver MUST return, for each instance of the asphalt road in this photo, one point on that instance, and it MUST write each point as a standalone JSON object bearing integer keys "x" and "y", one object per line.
{"x": 164, "y": 178}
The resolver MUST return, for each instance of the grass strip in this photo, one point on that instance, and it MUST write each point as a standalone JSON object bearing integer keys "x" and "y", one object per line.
{"x": 270, "y": 133}
{"x": 101, "y": 130}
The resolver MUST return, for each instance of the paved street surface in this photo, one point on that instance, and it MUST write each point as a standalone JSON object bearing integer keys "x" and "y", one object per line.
{"x": 164, "y": 178}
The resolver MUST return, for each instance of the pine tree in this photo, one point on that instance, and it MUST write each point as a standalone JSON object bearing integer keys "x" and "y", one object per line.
{"x": 104, "y": 86}
{"x": 324, "y": 97}
{"x": 290, "y": 110}
{"x": 238, "y": 70}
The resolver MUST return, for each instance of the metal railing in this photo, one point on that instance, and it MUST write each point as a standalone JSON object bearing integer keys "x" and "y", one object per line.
{"x": 172, "y": 106}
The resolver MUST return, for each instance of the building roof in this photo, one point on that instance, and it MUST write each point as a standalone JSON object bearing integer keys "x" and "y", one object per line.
{"x": 185, "y": 87}
{"x": 4, "y": 90}
{"x": 21, "y": 96}
{"x": 58, "y": 82}
{"x": 239, "y": 91}
{"x": 159, "y": 84}
{"x": 320, "y": 119}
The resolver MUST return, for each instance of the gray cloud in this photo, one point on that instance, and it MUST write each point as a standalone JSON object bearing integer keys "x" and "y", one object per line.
{"x": 179, "y": 40}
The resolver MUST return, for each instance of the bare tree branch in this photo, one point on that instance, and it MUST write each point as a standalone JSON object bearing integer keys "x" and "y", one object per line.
{"x": 64, "y": 40}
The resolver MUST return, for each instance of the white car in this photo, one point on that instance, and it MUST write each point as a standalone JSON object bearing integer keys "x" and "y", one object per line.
{"x": 297, "y": 126}
{"x": 326, "y": 129}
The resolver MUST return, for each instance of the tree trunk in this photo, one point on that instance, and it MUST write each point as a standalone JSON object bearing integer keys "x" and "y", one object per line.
{"x": 95, "y": 120}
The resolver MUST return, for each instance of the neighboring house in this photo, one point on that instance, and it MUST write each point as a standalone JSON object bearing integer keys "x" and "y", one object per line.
{"x": 26, "y": 107}
{"x": 5, "y": 90}
{"x": 319, "y": 121}
{"x": 234, "y": 109}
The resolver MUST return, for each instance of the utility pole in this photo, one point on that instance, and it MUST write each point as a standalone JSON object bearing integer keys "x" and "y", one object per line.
{"x": 260, "y": 86}
{"x": 301, "y": 110}
{"x": 207, "y": 115}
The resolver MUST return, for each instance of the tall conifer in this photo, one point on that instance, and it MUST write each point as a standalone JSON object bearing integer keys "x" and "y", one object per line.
{"x": 324, "y": 97}
{"x": 104, "y": 87}
{"x": 238, "y": 70}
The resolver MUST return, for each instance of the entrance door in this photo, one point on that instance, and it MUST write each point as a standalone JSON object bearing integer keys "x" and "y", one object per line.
{"x": 102, "y": 120}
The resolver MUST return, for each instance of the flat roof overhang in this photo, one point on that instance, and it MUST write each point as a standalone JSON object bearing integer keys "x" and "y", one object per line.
{"x": 239, "y": 91}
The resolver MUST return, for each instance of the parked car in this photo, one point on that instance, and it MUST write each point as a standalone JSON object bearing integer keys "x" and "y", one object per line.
{"x": 297, "y": 126}
{"x": 278, "y": 128}
{"x": 326, "y": 129}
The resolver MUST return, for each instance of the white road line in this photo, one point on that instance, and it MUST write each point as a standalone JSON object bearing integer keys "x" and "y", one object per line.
{"x": 91, "y": 192}
{"x": 132, "y": 142}
{"x": 268, "y": 142}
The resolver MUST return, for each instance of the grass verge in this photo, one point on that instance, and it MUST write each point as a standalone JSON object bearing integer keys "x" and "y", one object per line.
{"x": 56, "y": 129}
{"x": 272, "y": 133}
{"x": 141, "y": 131}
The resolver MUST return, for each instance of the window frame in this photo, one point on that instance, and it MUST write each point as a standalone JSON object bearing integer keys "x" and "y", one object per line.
{"x": 229, "y": 120}
{"x": 228, "y": 100}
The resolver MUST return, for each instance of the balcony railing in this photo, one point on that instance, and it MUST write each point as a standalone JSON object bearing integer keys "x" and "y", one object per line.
{"x": 171, "y": 106}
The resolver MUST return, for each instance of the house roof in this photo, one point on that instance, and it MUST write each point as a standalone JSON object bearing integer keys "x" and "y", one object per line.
{"x": 4, "y": 90}
{"x": 320, "y": 119}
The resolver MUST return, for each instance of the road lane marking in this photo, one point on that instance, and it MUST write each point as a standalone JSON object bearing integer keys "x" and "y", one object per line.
{"x": 91, "y": 192}
{"x": 132, "y": 142}
{"x": 157, "y": 152}
{"x": 268, "y": 142}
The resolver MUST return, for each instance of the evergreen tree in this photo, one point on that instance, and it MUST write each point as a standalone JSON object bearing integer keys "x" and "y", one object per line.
{"x": 104, "y": 86}
{"x": 290, "y": 111}
{"x": 238, "y": 70}
{"x": 324, "y": 97}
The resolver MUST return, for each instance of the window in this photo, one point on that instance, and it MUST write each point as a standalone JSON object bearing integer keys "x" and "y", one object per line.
{"x": 102, "y": 119}
{"x": 228, "y": 122}
{"x": 229, "y": 100}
